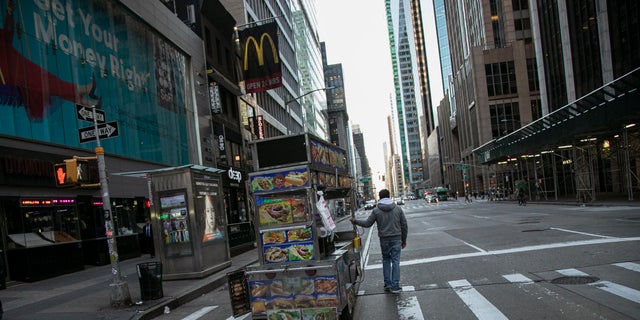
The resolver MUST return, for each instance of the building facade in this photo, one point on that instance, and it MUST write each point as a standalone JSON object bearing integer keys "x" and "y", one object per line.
{"x": 413, "y": 99}
{"x": 361, "y": 163}
{"x": 495, "y": 89}
{"x": 523, "y": 80}
{"x": 53, "y": 72}
{"x": 337, "y": 116}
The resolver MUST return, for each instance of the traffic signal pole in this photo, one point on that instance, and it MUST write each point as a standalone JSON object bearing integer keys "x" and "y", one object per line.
{"x": 120, "y": 296}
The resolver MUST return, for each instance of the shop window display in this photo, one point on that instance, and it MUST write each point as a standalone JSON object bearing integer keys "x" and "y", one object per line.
{"x": 43, "y": 222}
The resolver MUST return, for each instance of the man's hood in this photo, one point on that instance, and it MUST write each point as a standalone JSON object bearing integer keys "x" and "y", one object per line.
{"x": 385, "y": 204}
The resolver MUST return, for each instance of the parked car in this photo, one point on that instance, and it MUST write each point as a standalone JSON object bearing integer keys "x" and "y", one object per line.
{"x": 370, "y": 204}
{"x": 431, "y": 198}
{"x": 399, "y": 201}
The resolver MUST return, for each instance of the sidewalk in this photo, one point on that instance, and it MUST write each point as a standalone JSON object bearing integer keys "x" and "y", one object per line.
{"x": 86, "y": 294}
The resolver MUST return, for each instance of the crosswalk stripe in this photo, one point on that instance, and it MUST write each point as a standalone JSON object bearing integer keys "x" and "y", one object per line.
{"x": 196, "y": 315}
{"x": 409, "y": 308}
{"x": 611, "y": 287}
{"x": 618, "y": 290}
{"x": 479, "y": 305}
{"x": 572, "y": 273}
{"x": 629, "y": 265}
{"x": 517, "y": 278}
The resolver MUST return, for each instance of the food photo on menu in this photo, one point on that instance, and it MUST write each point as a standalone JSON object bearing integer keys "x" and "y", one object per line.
{"x": 276, "y": 254}
{"x": 274, "y": 211}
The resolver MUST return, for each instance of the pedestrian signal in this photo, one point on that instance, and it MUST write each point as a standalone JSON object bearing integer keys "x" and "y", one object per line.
{"x": 71, "y": 173}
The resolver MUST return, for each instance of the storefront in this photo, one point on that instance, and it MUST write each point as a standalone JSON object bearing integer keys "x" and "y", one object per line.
{"x": 240, "y": 227}
{"x": 47, "y": 231}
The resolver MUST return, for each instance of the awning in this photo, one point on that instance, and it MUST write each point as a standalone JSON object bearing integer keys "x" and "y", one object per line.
{"x": 604, "y": 111}
{"x": 144, "y": 173}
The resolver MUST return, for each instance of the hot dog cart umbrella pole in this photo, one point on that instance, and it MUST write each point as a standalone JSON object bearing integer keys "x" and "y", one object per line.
{"x": 306, "y": 269}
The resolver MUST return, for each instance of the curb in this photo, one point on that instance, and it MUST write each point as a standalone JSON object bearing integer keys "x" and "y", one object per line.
{"x": 219, "y": 280}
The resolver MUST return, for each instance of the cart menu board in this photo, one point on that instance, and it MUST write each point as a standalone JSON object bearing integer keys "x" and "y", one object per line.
{"x": 288, "y": 245}
{"x": 284, "y": 180}
{"x": 276, "y": 211}
{"x": 300, "y": 297}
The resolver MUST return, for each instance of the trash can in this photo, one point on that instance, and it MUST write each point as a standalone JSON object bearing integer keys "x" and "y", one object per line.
{"x": 150, "y": 276}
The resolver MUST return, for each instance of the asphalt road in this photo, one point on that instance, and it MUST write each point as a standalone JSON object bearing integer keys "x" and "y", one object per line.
{"x": 488, "y": 260}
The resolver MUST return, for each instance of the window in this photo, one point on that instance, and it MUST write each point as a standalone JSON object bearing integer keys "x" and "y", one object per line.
{"x": 501, "y": 78}
{"x": 505, "y": 118}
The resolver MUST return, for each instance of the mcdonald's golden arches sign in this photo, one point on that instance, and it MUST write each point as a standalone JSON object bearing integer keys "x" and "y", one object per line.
{"x": 261, "y": 63}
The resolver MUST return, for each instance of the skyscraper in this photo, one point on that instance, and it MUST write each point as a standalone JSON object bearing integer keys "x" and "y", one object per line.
{"x": 494, "y": 88}
{"x": 443, "y": 43}
{"x": 337, "y": 116}
{"x": 413, "y": 102}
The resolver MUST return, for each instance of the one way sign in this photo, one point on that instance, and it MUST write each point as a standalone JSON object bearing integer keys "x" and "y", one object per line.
{"x": 106, "y": 130}
{"x": 86, "y": 114}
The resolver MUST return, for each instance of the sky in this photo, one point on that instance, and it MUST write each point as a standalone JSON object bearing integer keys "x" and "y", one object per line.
{"x": 355, "y": 34}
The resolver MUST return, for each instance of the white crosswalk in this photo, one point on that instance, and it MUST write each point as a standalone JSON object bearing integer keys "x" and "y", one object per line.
{"x": 483, "y": 308}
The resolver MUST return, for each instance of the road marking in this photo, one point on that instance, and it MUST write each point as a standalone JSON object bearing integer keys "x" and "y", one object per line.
{"x": 517, "y": 278}
{"x": 583, "y": 233}
{"x": 629, "y": 265}
{"x": 618, "y": 290}
{"x": 409, "y": 308}
{"x": 242, "y": 317}
{"x": 475, "y": 247}
{"x": 613, "y": 288}
{"x": 509, "y": 251}
{"x": 479, "y": 305}
{"x": 572, "y": 273}
{"x": 198, "y": 314}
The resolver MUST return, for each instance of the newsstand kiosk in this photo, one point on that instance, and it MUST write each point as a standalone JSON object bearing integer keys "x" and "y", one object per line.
{"x": 305, "y": 269}
{"x": 189, "y": 221}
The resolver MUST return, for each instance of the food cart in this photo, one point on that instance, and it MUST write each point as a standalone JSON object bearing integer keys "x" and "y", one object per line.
{"x": 306, "y": 270}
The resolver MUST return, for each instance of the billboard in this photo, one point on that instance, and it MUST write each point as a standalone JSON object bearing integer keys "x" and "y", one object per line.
{"x": 56, "y": 54}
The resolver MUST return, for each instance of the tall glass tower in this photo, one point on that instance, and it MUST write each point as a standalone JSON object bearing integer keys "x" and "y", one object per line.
{"x": 413, "y": 105}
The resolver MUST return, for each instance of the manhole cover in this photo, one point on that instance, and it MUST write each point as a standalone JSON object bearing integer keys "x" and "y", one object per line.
{"x": 575, "y": 280}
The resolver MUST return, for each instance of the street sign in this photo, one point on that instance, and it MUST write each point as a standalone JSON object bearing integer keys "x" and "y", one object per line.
{"x": 462, "y": 167}
{"x": 365, "y": 179}
{"x": 86, "y": 114}
{"x": 105, "y": 130}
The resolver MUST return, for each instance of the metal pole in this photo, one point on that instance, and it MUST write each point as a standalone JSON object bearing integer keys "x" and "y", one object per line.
{"x": 627, "y": 165}
{"x": 120, "y": 295}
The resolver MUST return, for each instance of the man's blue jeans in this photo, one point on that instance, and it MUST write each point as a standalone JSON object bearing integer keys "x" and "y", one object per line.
{"x": 391, "y": 262}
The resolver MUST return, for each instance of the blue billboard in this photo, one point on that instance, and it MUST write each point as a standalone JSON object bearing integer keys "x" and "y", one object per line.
{"x": 55, "y": 54}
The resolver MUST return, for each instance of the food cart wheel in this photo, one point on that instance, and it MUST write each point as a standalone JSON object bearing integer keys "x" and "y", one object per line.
{"x": 346, "y": 314}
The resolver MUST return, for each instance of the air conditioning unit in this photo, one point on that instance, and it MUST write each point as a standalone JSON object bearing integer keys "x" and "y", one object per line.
{"x": 191, "y": 14}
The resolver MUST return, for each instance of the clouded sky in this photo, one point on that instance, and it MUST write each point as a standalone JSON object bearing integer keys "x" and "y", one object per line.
{"x": 356, "y": 35}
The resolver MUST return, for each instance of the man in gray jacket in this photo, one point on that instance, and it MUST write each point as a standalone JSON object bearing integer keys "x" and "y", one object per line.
{"x": 392, "y": 230}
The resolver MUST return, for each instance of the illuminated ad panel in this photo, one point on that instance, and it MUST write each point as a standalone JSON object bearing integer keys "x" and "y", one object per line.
{"x": 56, "y": 54}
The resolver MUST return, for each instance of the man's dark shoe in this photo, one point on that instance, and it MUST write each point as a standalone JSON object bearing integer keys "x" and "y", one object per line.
{"x": 397, "y": 290}
{"x": 387, "y": 289}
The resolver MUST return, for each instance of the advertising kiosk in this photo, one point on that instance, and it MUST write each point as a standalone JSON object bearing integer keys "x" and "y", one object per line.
{"x": 305, "y": 269}
{"x": 189, "y": 221}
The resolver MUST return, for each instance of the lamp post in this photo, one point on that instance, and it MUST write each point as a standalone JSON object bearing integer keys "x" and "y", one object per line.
{"x": 286, "y": 104}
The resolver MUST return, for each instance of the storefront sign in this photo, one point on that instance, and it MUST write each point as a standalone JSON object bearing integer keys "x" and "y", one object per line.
{"x": 221, "y": 143}
{"x": 261, "y": 134}
{"x": 234, "y": 175}
{"x": 214, "y": 98}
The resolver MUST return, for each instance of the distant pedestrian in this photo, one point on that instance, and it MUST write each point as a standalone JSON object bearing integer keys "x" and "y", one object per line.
{"x": 392, "y": 231}
{"x": 147, "y": 236}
